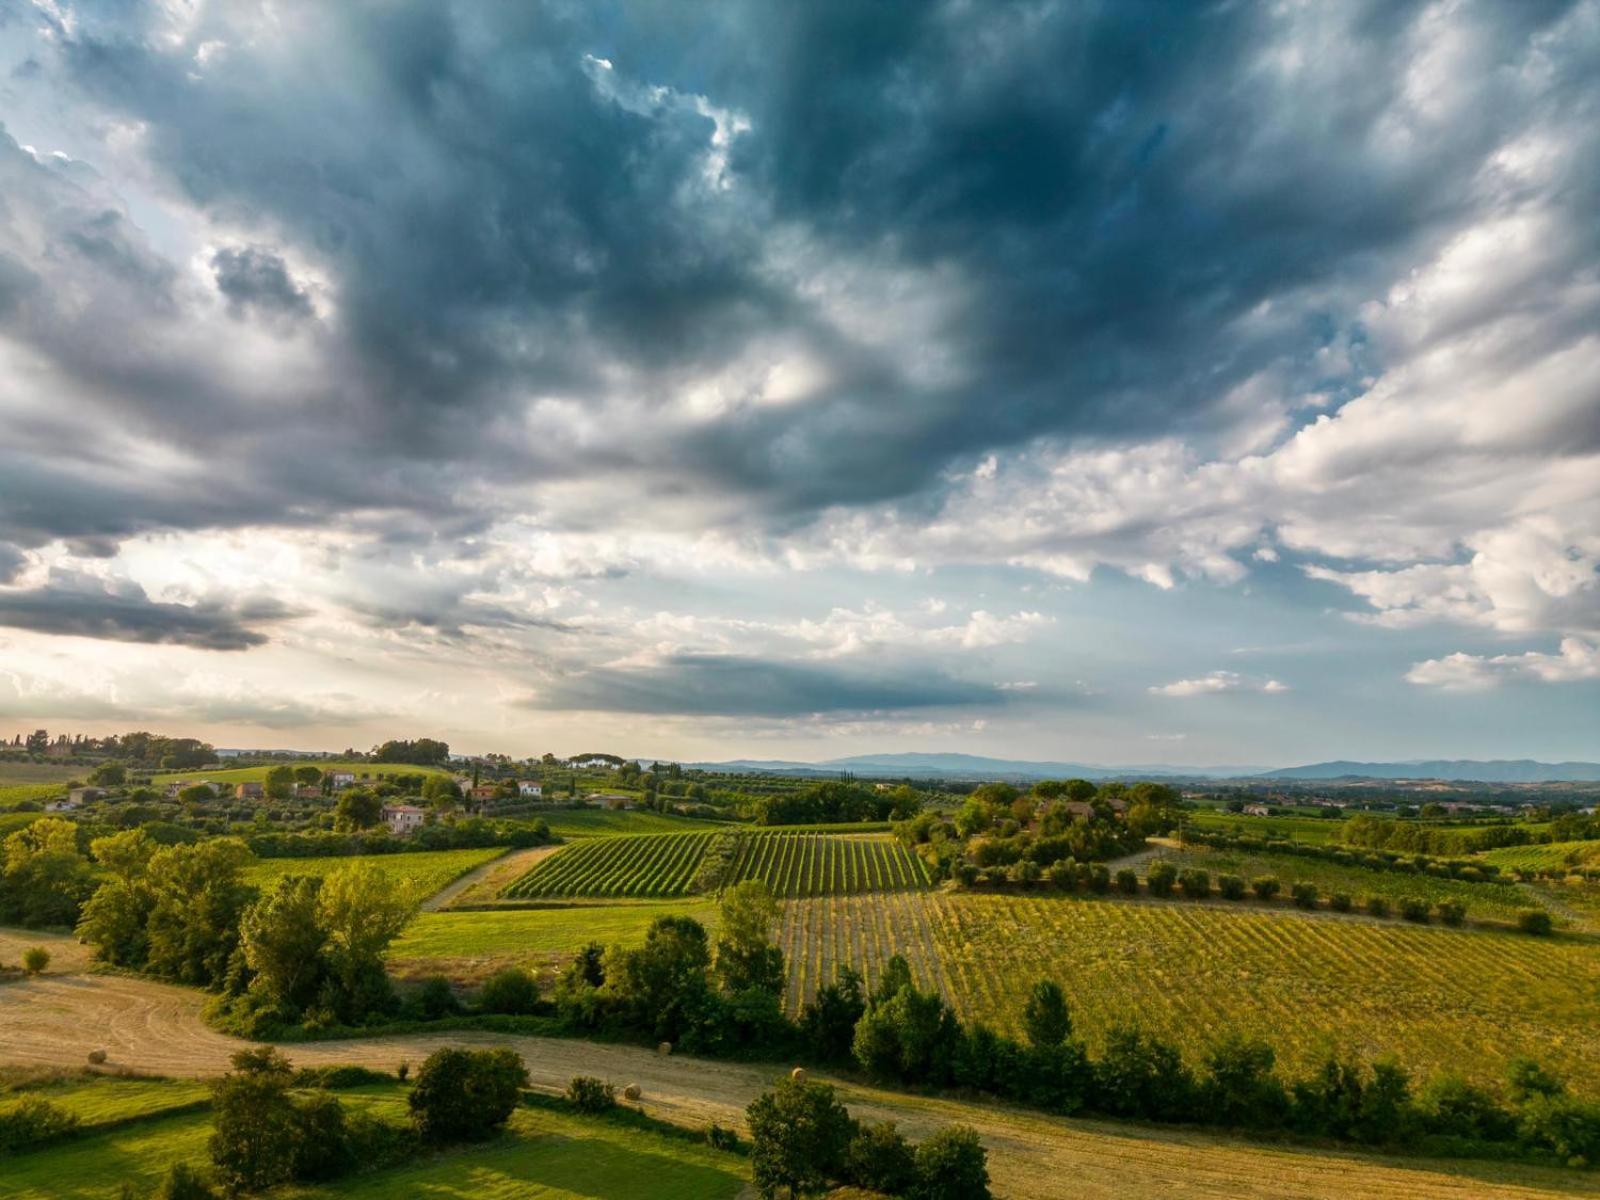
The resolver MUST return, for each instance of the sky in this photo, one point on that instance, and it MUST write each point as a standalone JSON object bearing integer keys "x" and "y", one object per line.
{"x": 1121, "y": 383}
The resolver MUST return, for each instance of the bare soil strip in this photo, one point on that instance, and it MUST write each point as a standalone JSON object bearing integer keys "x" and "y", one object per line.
{"x": 152, "y": 1027}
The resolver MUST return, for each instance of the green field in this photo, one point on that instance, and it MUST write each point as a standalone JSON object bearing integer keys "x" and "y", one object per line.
{"x": 1484, "y": 901}
{"x": 472, "y": 944}
{"x": 426, "y": 870}
{"x": 1319, "y": 831}
{"x": 231, "y": 775}
{"x": 14, "y": 774}
{"x": 111, "y": 1099}
{"x": 651, "y": 864}
{"x": 1551, "y": 856}
{"x": 542, "y": 1155}
{"x": 815, "y": 864}
{"x": 21, "y": 793}
{"x": 1466, "y": 1000}
{"x": 595, "y": 822}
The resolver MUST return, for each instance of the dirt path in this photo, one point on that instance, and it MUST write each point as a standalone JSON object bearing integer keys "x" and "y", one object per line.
{"x": 485, "y": 882}
{"x": 154, "y": 1027}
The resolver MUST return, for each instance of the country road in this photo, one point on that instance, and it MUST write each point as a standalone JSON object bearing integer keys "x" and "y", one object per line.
{"x": 156, "y": 1028}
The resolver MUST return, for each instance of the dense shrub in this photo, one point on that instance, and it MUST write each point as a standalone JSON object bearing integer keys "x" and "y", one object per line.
{"x": 1160, "y": 878}
{"x": 591, "y": 1095}
{"x": 1452, "y": 912}
{"x": 511, "y": 991}
{"x": 435, "y": 999}
{"x": 1377, "y": 906}
{"x": 951, "y": 1165}
{"x": 1305, "y": 895}
{"x": 183, "y": 1182}
{"x": 466, "y": 1095}
{"x": 1128, "y": 881}
{"x": 1196, "y": 883}
{"x": 1099, "y": 881}
{"x": 1265, "y": 886}
{"x": 880, "y": 1159}
{"x": 1231, "y": 887}
{"x": 1535, "y": 921}
{"x": 1413, "y": 908}
{"x": 1340, "y": 902}
{"x": 34, "y": 1122}
{"x": 35, "y": 959}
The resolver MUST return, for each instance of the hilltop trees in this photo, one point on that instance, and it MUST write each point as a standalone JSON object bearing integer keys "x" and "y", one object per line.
{"x": 422, "y": 752}
{"x": 466, "y": 1095}
{"x": 44, "y": 879}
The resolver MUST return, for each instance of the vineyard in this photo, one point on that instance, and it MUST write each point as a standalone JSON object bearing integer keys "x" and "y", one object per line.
{"x": 1483, "y": 901}
{"x": 794, "y": 864}
{"x": 1438, "y": 998}
{"x": 1550, "y": 856}
{"x": 646, "y": 864}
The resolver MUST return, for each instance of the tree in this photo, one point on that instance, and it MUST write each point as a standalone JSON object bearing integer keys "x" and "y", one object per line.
{"x": 109, "y": 775}
{"x": 466, "y": 1095}
{"x": 800, "y": 1134}
{"x": 183, "y": 1182}
{"x": 1240, "y": 1088}
{"x": 308, "y": 775}
{"x": 114, "y": 919}
{"x": 440, "y": 792}
{"x": 423, "y": 752}
{"x": 1045, "y": 1016}
{"x": 659, "y": 986}
{"x": 198, "y": 898}
{"x": 253, "y": 1122}
{"x": 45, "y": 879}
{"x": 280, "y": 782}
{"x": 195, "y": 795}
{"x": 746, "y": 957}
{"x": 829, "y": 1022}
{"x": 881, "y": 1160}
{"x": 357, "y": 808}
{"x": 952, "y": 1165}
{"x": 35, "y": 959}
{"x": 283, "y": 942}
{"x": 361, "y": 913}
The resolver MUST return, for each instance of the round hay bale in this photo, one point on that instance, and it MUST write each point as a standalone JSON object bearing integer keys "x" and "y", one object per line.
{"x": 632, "y": 1092}
{"x": 798, "y": 1075}
{"x": 97, "y": 1057}
{"x": 664, "y": 1048}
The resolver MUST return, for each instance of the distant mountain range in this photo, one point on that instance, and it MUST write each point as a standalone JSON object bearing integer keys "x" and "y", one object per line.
{"x": 974, "y": 766}
{"x": 1503, "y": 770}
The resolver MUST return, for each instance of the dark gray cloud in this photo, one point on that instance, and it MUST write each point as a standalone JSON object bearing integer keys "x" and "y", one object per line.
{"x": 78, "y": 606}
{"x": 1108, "y": 197}
{"x": 11, "y": 560}
{"x": 256, "y": 280}
{"x": 730, "y": 685}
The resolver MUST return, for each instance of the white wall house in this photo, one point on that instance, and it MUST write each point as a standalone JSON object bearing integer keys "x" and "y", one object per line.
{"x": 530, "y": 787}
{"x": 402, "y": 818}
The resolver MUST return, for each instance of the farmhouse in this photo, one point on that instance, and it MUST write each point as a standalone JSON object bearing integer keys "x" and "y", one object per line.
{"x": 484, "y": 792}
{"x": 307, "y": 791}
{"x": 530, "y": 787}
{"x": 249, "y": 791}
{"x": 1256, "y": 810}
{"x": 402, "y": 818}
{"x": 76, "y": 798}
{"x": 341, "y": 779}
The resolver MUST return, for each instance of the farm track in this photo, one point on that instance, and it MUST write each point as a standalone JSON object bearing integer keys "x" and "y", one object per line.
{"x": 493, "y": 875}
{"x": 156, "y": 1028}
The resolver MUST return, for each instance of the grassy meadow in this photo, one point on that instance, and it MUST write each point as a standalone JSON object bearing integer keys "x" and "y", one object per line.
{"x": 232, "y": 775}
{"x": 541, "y": 1155}
{"x": 1318, "y": 831}
{"x": 426, "y": 870}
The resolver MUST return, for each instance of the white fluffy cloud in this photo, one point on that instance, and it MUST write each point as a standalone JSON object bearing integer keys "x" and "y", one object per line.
{"x": 1575, "y": 660}
{"x": 1218, "y": 681}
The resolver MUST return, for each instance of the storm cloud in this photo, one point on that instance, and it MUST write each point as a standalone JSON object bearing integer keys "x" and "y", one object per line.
{"x": 540, "y": 335}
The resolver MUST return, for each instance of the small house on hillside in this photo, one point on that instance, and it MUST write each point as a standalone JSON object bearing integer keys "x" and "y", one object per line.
{"x": 307, "y": 791}
{"x": 402, "y": 818}
{"x": 76, "y": 798}
{"x": 341, "y": 779}
{"x": 531, "y": 788}
{"x": 1080, "y": 810}
{"x": 1256, "y": 810}
{"x": 484, "y": 792}
{"x": 249, "y": 791}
